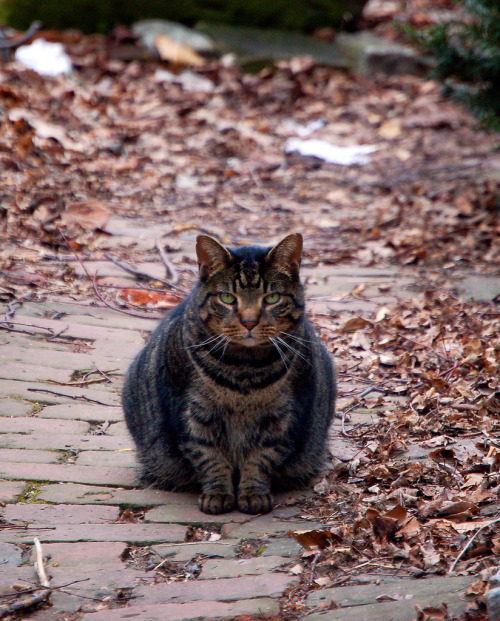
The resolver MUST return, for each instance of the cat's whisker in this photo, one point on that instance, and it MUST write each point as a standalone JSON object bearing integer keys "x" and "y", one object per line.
{"x": 211, "y": 339}
{"x": 279, "y": 350}
{"x": 292, "y": 349}
{"x": 296, "y": 338}
{"x": 220, "y": 340}
{"x": 228, "y": 340}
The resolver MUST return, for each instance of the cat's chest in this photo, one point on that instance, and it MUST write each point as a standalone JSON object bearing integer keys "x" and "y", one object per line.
{"x": 242, "y": 406}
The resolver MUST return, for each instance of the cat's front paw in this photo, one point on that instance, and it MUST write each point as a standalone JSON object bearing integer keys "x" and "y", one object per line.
{"x": 255, "y": 503}
{"x": 216, "y": 502}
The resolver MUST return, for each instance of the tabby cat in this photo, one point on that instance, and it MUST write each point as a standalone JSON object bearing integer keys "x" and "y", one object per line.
{"x": 234, "y": 393}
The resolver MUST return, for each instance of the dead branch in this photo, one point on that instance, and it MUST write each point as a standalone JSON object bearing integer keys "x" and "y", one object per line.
{"x": 93, "y": 280}
{"x": 40, "y": 569}
{"x": 60, "y": 394}
{"x": 452, "y": 569}
{"x": 171, "y": 269}
{"x": 12, "y": 44}
{"x": 36, "y": 598}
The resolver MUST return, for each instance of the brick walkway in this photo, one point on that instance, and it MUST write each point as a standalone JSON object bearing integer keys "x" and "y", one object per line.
{"x": 67, "y": 476}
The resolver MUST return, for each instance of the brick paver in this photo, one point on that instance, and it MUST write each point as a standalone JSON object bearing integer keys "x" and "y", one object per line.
{"x": 67, "y": 471}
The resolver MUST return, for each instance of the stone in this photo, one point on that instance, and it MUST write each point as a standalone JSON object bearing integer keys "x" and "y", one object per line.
{"x": 33, "y": 373}
{"x": 13, "y": 407}
{"x": 30, "y": 424}
{"x": 92, "y": 494}
{"x": 68, "y": 473}
{"x": 76, "y": 554}
{"x": 190, "y": 514}
{"x": 372, "y": 55}
{"x": 10, "y": 555}
{"x": 147, "y": 30}
{"x": 26, "y": 456}
{"x": 118, "y": 429}
{"x": 82, "y": 411}
{"x": 107, "y": 459}
{"x": 287, "y": 547}
{"x": 99, "y": 582}
{"x": 257, "y": 607}
{"x": 228, "y": 589}
{"x": 186, "y": 551}
{"x": 10, "y": 490}
{"x": 267, "y": 525}
{"x": 225, "y": 568}
{"x": 66, "y": 359}
{"x": 493, "y": 604}
{"x": 36, "y": 392}
{"x": 59, "y": 514}
{"x": 361, "y": 602}
{"x": 138, "y": 534}
{"x": 253, "y": 44}
{"x": 64, "y": 442}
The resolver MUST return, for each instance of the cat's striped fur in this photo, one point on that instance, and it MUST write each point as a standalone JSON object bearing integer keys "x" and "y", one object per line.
{"x": 234, "y": 393}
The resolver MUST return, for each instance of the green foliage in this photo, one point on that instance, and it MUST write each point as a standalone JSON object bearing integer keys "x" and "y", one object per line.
{"x": 468, "y": 57}
{"x": 102, "y": 15}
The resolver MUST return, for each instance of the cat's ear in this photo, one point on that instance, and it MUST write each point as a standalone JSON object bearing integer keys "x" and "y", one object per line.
{"x": 212, "y": 256}
{"x": 286, "y": 256}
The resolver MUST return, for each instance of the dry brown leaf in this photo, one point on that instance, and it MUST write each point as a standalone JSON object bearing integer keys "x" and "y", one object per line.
{"x": 177, "y": 53}
{"x": 431, "y": 613}
{"x": 354, "y": 324}
{"x": 410, "y": 529}
{"x": 152, "y": 299}
{"x": 390, "y": 129}
{"x": 91, "y": 214}
{"x": 314, "y": 539}
{"x": 430, "y": 556}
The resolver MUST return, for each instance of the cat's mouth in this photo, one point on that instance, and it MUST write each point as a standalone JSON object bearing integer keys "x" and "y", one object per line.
{"x": 250, "y": 340}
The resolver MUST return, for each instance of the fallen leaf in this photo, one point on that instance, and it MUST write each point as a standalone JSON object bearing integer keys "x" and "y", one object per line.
{"x": 177, "y": 53}
{"x": 91, "y": 214}
{"x": 151, "y": 299}
{"x": 354, "y": 324}
{"x": 390, "y": 129}
{"x": 310, "y": 539}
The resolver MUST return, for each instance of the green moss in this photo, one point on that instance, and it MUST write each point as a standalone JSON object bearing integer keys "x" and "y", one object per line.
{"x": 30, "y": 493}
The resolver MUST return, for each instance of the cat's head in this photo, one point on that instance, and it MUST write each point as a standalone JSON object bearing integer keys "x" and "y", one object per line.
{"x": 251, "y": 293}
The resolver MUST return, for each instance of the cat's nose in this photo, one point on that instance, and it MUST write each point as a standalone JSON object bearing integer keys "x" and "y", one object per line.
{"x": 249, "y": 323}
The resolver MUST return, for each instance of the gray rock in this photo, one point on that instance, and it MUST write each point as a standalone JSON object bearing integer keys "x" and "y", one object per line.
{"x": 147, "y": 30}
{"x": 370, "y": 55}
{"x": 253, "y": 45}
{"x": 362, "y": 51}
{"x": 10, "y": 555}
{"x": 493, "y": 598}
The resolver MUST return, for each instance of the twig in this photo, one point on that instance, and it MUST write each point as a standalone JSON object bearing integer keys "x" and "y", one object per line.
{"x": 40, "y": 569}
{"x": 11, "y": 44}
{"x": 171, "y": 269}
{"x": 452, "y": 569}
{"x": 24, "y": 604}
{"x": 138, "y": 273}
{"x": 263, "y": 191}
{"x": 12, "y": 307}
{"x": 39, "y": 595}
{"x": 93, "y": 280}
{"x": 60, "y": 394}
{"x": 313, "y": 564}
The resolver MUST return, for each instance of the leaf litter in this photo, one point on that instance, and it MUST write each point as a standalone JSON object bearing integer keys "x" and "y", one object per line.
{"x": 414, "y": 485}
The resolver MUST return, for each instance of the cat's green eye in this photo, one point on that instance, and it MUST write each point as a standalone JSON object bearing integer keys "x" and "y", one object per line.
{"x": 227, "y": 298}
{"x": 272, "y": 298}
